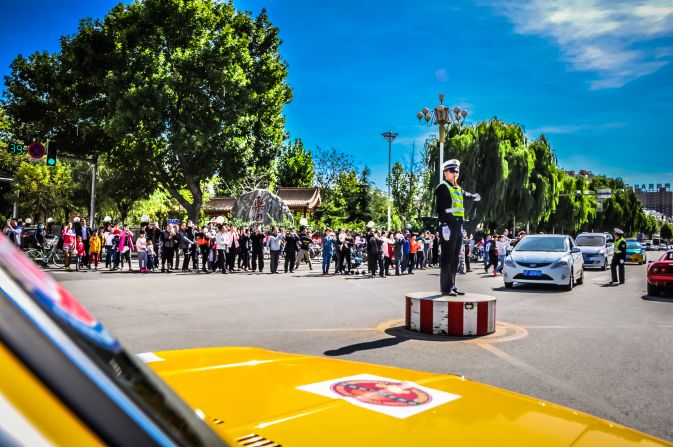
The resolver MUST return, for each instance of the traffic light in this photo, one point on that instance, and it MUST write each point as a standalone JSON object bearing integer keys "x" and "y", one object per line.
{"x": 52, "y": 148}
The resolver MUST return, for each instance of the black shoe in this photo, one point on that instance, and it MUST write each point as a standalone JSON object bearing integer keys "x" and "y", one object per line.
{"x": 451, "y": 293}
{"x": 458, "y": 292}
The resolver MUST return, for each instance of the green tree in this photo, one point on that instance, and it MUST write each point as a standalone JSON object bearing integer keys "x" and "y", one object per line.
{"x": 403, "y": 190}
{"x": 189, "y": 89}
{"x": 650, "y": 225}
{"x": 123, "y": 186}
{"x": 295, "y": 165}
{"x": 666, "y": 231}
{"x": 44, "y": 191}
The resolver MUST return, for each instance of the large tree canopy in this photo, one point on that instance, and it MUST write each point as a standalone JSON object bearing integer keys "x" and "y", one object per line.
{"x": 187, "y": 89}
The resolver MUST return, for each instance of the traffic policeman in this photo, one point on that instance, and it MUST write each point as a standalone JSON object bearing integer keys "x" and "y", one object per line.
{"x": 619, "y": 257}
{"x": 451, "y": 212}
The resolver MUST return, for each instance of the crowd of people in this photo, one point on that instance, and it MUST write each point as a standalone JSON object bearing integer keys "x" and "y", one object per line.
{"x": 222, "y": 248}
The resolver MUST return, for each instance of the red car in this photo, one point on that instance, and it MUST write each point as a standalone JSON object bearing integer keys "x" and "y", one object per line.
{"x": 660, "y": 274}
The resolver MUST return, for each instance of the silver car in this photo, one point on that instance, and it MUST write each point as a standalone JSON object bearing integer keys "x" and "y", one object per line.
{"x": 545, "y": 259}
{"x": 597, "y": 249}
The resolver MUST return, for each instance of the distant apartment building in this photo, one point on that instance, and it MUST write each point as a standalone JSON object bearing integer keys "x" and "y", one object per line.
{"x": 659, "y": 198}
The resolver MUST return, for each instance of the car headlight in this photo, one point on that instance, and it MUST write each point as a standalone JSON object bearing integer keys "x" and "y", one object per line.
{"x": 560, "y": 263}
{"x": 601, "y": 251}
{"x": 509, "y": 262}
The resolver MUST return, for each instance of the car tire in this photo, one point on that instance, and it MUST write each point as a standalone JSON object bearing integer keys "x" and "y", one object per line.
{"x": 652, "y": 290}
{"x": 581, "y": 278}
{"x": 509, "y": 285}
{"x": 571, "y": 281}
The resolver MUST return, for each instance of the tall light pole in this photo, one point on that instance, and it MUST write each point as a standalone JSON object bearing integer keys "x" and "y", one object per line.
{"x": 442, "y": 115}
{"x": 390, "y": 137}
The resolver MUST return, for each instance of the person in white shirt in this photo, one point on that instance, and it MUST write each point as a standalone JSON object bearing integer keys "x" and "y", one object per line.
{"x": 222, "y": 245}
{"x": 109, "y": 240}
{"x": 502, "y": 252}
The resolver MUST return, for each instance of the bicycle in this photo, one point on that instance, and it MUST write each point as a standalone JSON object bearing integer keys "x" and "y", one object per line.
{"x": 48, "y": 254}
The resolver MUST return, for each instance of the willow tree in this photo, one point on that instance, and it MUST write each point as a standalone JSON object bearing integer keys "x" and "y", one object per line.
{"x": 517, "y": 181}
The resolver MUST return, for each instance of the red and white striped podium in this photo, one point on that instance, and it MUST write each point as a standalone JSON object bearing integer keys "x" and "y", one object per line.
{"x": 433, "y": 313}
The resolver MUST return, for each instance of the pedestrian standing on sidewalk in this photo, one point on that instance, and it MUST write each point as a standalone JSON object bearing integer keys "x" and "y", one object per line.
{"x": 257, "y": 240}
{"x": 167, "y": 248}
{"x": 398, "y": 251}
{"x": 304, "y": 250}
{"x": 291, "y": 247}
{"x": 502, "y": 245}
{"x": 274, "y": 245}
{"x": 141, "y": 246}
{"x": 328, "y": 243}
{"x": 372, "y": 252}
{"x": 80, "y": 253}
{"x": 126, "y": 246}
{"x": 493, "y": 255}
{"x": 487, "y": 249}
{"x": 69, "y": 248}
{"x": 95, "y": 247}
{"x": 221, "y": 245}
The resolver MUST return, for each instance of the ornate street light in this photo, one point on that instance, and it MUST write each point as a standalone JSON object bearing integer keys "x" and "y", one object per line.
{"x": 390, "y": 137}
{"x": 442, "y": 115}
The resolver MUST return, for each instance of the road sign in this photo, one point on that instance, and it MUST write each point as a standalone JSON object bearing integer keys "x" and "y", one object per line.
{"x": 36, "y": 150}
{"x": 173, "y": 221}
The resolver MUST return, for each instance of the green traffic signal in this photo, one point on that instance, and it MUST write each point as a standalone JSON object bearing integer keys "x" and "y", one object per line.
{"x": 51, "y": 154}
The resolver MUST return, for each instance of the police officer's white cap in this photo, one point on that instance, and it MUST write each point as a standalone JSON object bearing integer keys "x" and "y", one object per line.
{"x": 453, "y": 164}
{"x": 619, "y": 232}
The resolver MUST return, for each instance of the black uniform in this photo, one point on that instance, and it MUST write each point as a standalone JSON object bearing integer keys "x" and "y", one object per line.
{"x": 450, "y": 255}
{"x": 618, "y": 261}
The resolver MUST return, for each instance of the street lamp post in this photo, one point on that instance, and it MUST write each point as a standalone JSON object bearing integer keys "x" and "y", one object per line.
{"x": 442, "y": 115}
{"x": 389, "y": 136}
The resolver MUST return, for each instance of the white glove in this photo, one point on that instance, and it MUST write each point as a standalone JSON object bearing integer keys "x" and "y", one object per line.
{"x": 446, "y": 232}
{"x": 476, "y": 197}
{"x": 621, "y": 261}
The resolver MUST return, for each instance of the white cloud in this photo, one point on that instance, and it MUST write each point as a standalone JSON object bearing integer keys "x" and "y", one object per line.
{"x": 572, "y": 128}
{"x": 601, "y": 36}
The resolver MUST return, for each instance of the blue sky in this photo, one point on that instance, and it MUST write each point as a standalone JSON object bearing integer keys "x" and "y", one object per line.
{"x": 594, "y": 75}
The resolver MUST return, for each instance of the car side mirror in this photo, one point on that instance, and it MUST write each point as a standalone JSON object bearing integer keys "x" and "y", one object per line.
{"x": 607, "y": 244}
{"x": 509, "y": 250}
{"x": 575, "y": 250}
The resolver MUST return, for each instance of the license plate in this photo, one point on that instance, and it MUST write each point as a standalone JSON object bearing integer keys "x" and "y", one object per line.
{"x": 532, "y": 273}
{"x": 587, "y": 259}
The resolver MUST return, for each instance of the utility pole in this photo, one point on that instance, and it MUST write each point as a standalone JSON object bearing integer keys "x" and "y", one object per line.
{"x": 390, "y": 137}
{"x": 92, "y": 209}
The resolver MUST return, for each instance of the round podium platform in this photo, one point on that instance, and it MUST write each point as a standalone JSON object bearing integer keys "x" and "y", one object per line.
{"x": 433, "y": 313}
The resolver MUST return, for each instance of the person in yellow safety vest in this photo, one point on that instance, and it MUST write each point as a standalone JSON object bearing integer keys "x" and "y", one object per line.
{"x": 451, "y": 212}
{"x": 619, "y": 258}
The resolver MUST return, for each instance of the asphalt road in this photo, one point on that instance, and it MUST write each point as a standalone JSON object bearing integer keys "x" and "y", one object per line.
{"x": 603, "y": 350}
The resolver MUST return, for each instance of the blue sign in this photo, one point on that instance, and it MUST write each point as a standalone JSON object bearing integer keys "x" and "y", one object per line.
{"x": 173, "y": 221}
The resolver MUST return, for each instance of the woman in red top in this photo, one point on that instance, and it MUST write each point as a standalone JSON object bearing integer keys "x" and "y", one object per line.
{"x": 69, "y": 248}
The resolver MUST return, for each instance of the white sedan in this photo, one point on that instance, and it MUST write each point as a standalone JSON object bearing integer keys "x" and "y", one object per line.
{"x": 545, "y": 259}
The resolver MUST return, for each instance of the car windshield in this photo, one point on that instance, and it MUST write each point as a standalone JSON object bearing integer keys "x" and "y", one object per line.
{"x": 632, "y": 245}
{"x": 554, "y": 244}
{"x": 590, "y": 241}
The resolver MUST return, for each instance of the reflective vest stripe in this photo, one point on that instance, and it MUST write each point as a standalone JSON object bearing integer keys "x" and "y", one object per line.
{"x": 456, "y": 192}
{"x": 617, "y": 242}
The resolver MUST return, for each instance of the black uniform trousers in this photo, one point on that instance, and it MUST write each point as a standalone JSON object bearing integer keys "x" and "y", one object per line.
{"x": 617, "y": 263}
{"x": 450, "y": 256}
{"x": 257, "y": 258}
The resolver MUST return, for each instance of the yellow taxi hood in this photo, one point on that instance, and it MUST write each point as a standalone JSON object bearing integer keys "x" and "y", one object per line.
{"x": 296, "y": 400}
